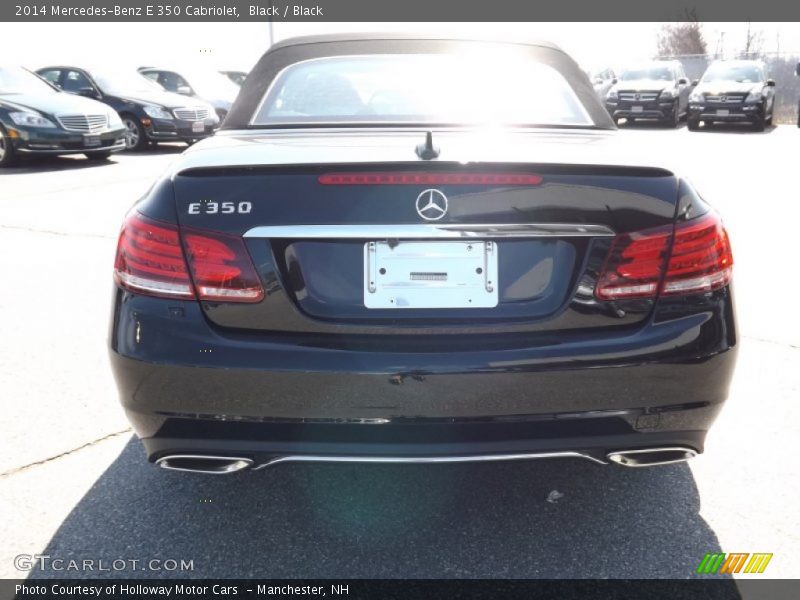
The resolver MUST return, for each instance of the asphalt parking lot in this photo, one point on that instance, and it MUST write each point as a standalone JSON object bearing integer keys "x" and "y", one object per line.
{"x": 74, "y": 483}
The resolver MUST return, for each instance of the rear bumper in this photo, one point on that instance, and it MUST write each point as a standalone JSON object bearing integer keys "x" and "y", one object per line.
{"x": 189, "y": 388}
{"x": 398, "y": 444}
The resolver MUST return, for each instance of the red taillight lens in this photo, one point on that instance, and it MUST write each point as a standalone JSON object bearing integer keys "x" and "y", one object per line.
{"x": 634, "y": 265}
{"x": 150, "y": 259}
{"x": 697, "y": 258}
{"x": 420, "y": 178}
{"x": 701, "y": 259}
{"x": 221, "y": 267}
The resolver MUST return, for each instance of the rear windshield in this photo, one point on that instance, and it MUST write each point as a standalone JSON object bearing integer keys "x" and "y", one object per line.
{"x": 416, "y": 88}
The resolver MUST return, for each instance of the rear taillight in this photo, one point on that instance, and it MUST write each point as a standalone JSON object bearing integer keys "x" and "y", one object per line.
{"x": 701, "y": 259}
{"x": 150, "y": 260}
{"x": 696, "y": 257}
{"x": 221, "y": 267}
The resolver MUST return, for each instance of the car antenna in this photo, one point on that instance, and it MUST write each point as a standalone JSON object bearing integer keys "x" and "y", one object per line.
{"x": 427, "y": 151}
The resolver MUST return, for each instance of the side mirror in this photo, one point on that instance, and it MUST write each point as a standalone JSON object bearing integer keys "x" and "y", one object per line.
{"x": 184, "y": 90}
{"x": 695, "y": 82}
{"x": 770, "y": 83}
{"x": 88, "y": 92}
{"x": 683, "y": 81}
{"x": 797, "y": 70}
{"x": 614, "y": 81}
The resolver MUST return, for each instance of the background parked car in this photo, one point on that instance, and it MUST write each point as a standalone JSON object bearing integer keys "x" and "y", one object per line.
{"x": 209, "y": 86}
{"x": 236, "y": 77}
{"x": 797, "y": 73}
{"x": 36, "y": 118}
{"x": 733, "y": 91}
{"x": 656, "y": 90}
{"x": 602, "y": 80}
{"x": 149, "y": 113}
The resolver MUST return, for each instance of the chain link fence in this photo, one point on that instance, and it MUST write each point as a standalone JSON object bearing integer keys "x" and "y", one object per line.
{"x": 780, "y": 67}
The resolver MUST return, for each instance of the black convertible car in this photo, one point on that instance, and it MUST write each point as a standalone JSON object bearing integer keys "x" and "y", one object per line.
{"x": 35, "y": 118}
{"x": 150, "y": 114}
{"x": 382, "y": 258}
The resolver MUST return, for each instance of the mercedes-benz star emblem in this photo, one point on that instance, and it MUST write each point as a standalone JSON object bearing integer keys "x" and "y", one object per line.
{"x": 431, "y": 205}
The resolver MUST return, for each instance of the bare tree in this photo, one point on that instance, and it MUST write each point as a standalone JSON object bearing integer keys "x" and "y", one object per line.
{"x": 677, "y": 39}
{"x": 753, "y": 43}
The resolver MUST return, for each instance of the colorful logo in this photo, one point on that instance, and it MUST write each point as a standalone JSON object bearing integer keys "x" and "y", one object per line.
{"x": 718, "y": 563}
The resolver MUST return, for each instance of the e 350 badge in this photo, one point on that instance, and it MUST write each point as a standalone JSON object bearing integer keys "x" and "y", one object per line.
{"x": 207, "y": 207}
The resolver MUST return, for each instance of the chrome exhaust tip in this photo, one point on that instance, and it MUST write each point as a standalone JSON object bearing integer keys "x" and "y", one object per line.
{"x": 650, "y": 457}
{"x": 210, "y": 465}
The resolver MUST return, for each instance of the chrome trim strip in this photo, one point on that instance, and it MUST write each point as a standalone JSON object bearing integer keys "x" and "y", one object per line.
{"x": 83, "y": 123}
{"x": 187, "y": 113}
{"x": 236, "y": 463}
{"x": 114, "y": 148}
{"x": 618, "y": 457}
{"x": 429, "y": 231}
{"x": 729, "y": 98}
{"x": 643, "y": 96}
{"x": 425, "y": 459}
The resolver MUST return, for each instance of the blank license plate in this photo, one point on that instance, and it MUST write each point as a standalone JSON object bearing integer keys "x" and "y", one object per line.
{"x": 198, "y": 126}
{"x": 637, "y": 108}
{"x": 723, "y": 112}
{"x": 91, "y": 141}
{"x": 430, "y": 275}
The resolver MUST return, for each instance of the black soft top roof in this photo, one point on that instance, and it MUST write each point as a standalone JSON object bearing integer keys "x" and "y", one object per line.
{"x": 294, "y": 50}
{"x": 390, "y": 36}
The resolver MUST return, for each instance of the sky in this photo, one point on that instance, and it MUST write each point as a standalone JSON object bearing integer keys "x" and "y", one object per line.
{"x": 239, "y": 45}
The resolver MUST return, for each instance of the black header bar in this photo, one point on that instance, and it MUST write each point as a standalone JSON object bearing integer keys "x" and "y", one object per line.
{"x": 396, "y": 11}
{"x": 711, "y": 588}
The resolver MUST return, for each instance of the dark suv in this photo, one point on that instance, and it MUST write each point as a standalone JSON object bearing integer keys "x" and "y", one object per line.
{"x": 658, "y": 90}
{"x": 733, "y": 91}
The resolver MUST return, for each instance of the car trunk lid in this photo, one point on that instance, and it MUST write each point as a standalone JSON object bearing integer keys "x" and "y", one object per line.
{"x": 309, "y": 228}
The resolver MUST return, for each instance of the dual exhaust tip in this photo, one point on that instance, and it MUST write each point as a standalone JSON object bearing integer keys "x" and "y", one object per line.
{"x": 223, "y": 465}
{"x": 650, "y": 457}
{"x": 210, "y": 465}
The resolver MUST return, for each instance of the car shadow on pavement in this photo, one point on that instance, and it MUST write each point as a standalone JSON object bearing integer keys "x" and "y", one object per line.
{"x": 650, "y": 124}
{"x": 561, "y": 518}
{"x": 45, "y": 164}
{"x": 734, "y": 128}
{"x": 161, "y": 148}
